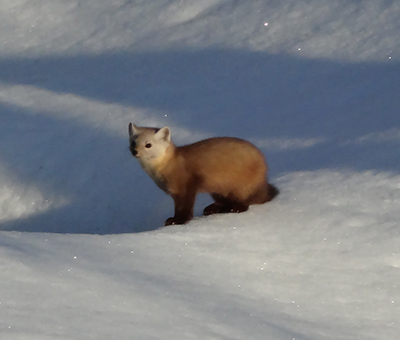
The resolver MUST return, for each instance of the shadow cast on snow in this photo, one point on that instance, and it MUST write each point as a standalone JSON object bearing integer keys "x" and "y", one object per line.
{"x": 88, "y": 170}
{"x": 252, "y": 95}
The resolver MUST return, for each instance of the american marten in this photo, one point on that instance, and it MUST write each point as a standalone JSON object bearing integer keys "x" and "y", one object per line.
{"x": 232, "y": 170}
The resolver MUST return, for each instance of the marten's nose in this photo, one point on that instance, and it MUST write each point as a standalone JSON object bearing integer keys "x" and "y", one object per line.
{"x": 134, "y": 151}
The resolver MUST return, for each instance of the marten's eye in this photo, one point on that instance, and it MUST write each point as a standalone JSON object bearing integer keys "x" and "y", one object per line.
{"x": 148, "y": 145}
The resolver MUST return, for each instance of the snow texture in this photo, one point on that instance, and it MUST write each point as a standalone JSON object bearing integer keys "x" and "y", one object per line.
{"x": 314, "y": 84}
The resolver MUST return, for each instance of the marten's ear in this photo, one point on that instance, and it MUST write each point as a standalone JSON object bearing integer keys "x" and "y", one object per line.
{"x": 164, "y": 134}
{"x": 133, "y": 130}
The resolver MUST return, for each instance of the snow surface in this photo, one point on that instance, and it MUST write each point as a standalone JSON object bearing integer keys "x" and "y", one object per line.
{"x": 315, "y": 84}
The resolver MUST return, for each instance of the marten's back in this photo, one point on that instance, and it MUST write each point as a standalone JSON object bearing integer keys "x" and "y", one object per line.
{"x": 226, "y": 165}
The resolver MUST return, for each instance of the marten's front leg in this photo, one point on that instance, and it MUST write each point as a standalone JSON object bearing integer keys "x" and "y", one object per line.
{"x": 183, "y": 208}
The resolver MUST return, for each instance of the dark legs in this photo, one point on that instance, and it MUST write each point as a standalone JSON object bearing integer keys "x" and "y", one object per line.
{"x": 224, "y": 205}
{"x": 183, "y": 208}
{"x": 184, "y": 205}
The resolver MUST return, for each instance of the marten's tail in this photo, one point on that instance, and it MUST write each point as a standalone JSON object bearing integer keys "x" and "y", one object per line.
{"x": 263, "y": 194}
{"x": 273, "y": 191}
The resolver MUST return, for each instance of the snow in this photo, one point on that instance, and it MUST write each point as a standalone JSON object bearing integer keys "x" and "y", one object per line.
{"x": 83, "y": 253}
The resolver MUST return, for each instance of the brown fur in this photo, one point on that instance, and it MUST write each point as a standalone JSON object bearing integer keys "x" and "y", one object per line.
{"x": 232, "y": 170}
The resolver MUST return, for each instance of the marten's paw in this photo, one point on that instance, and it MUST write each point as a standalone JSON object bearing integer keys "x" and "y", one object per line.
{"x": 214, "y": 208}
{"x": 174, "y": 220}
{"x": 218, "y": 208}
{"x": 170, "y": 221}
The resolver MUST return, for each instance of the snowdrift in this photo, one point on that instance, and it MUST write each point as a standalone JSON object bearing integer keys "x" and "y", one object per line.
{"x": 314, "y": 84}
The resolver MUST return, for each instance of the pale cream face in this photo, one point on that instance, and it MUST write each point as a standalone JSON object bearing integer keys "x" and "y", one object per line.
{"x": 148, "y": 144}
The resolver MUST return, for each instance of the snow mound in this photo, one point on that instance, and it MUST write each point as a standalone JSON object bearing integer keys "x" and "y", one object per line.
{"x": 314, "y": 84}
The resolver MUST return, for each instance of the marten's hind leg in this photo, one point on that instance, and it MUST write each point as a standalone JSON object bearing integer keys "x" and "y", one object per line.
{"x": 224, "y": 204}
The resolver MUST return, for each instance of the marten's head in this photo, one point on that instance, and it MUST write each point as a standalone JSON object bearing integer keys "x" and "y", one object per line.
{"x": 147, "y": 144}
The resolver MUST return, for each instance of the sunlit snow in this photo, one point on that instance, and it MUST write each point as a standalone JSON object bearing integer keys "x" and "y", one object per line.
{"x": 83, "y": 250}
